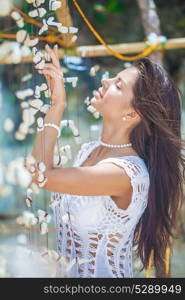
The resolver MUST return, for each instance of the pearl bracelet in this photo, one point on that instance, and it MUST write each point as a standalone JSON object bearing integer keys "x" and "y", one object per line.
{"x": 54, "y": 126}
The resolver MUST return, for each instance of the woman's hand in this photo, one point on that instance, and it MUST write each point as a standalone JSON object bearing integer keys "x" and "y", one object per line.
{"x": 54, "y": 77}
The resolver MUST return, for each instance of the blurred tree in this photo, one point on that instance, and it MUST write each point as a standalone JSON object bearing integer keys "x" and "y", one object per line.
{"x": 151, "y": 24}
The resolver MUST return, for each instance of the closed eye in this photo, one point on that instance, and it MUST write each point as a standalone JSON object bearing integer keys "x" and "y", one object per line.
{"x": 117, "y": 86}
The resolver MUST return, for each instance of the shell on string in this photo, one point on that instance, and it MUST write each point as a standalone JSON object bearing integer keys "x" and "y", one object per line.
{"x": 94, "y": 70}
{"x": 26, "y": 77}
{"x": 66, "y": 149}
{"x": 24, "y": 105}
{"x": 18, "y": 18}
{"x": 70, "y": 123}
{"x": 72, "y": 80}
{"x": 50, "y": 21}
{"x": 74, "y": 38}
{"x": 62, "y": 29}
{"x": 44, "y": 27}
{"x": 45, "y": 108}
{"x": 36, "y": 103}
{"x": 28, "y": 117}
{"x": 40, "y": 123}
{"x": 19, "y": 136}
{"x": 87, "y": 100}
{"x": 39, "y": 12}
{"x": 41, "y": 215}
{"x": 38, "y": 58}
{"x": 47, "y": 93}
{"x": 29, "y": 1}
{"x": 26, "y": 219}
{"x": 25, "y": 51}
{"x": 73, "y": 29}
{"x": 36, "y": 3}
{"x": 16, "y": 173}
{"x": 43, "y": 228}
{"x": 54, "y": 5}
{"x": 29, "y": 201}
{"x": 35, "y": 188}
{"x": 22, "y": 94}
{"x": 31, "y": 43}
{"x": 41, "y": 64}
{"x": 43, "y": 87}
{"x": 37, "y": 92}
{"x": 23, "y": 128}
{"x": 42, "y": 184}
{"x": 29, "y": 192}
{"x": 91, "y": 108}
{"x": 8, "y": 125}
{"x": 32, "y": 169}
{"x": 23, "y": 37}
{"x": 96, "y": 114}
{"x": 40, "y": 177}
{"x": 41, "y": 166}
{"x": 57, "y": 160}
{"x": 105, "y": 75}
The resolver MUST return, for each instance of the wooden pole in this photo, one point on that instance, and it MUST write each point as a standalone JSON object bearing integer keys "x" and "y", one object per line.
{"x": 99, "y": 50}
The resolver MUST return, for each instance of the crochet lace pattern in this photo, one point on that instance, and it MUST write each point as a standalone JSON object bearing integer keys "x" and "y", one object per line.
{"x": 93, "y": 231}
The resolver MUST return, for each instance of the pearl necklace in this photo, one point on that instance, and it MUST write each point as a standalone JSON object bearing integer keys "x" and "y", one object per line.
{"x": 113, "y": 145}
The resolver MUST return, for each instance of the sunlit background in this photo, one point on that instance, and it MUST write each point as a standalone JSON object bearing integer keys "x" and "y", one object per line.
{"x": 118, "y": 22}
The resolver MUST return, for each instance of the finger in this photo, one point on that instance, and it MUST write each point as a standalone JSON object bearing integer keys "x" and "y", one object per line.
{"x": 53, "y": 68}
{"x": 53, "y": 56}
{"x": 48, "y": 81}
{"x": 56, "y": 50}
{"x": 51, "y": 73}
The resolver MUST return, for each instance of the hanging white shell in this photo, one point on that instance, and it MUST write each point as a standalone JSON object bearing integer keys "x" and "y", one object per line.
{"x": 8, "y": 125}
{"x": 54, "y": 5}
{"x": 43, "y": 228}
{"x": 39, "y": 12}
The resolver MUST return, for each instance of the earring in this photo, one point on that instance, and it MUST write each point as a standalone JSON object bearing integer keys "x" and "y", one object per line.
{"x": 124, "y": 118}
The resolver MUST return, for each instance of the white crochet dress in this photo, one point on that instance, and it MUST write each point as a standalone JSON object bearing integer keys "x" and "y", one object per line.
{"x": 93, "y": 234}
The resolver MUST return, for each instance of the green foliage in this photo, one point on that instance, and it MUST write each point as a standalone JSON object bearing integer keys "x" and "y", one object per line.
{"x": 115, "y": 6}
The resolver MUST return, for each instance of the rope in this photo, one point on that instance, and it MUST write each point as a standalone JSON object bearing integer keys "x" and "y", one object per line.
{"x": 148, "y": 273}
{"x": 146, "y": 52}
{"x": 167, "y": 261}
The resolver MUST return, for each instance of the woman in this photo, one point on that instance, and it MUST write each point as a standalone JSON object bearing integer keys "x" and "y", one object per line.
{"x": 124, "y": 189}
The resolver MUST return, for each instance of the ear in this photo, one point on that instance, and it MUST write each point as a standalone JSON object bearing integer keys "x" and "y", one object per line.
{"x": 132, "y": 115}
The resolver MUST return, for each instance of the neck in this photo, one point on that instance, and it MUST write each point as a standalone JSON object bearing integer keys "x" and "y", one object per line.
{"x": 112, "y": 134}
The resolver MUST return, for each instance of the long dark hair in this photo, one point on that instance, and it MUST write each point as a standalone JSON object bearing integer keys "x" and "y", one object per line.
{"x": 157, "y": 139}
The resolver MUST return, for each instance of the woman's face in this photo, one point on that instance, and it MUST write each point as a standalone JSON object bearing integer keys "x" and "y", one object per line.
{"x": 113, "y": 99}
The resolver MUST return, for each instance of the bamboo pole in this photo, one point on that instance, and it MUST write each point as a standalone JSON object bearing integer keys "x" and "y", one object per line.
{"x": 64, "y": 17}
{"x": 99, "y": 50}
